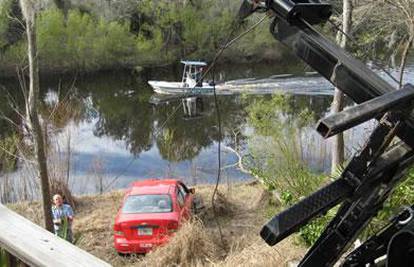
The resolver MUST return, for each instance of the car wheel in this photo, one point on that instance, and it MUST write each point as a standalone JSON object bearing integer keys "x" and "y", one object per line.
{"x": 197, "y": 205}
{"x": 123, "y": 254}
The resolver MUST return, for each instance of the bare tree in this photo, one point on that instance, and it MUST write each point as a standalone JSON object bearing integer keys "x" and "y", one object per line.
{"x": 388, "y": 21}
{"x": 404, "y": 9}
{"x": 29, "y": 13}
{"x": 338, "y": 144}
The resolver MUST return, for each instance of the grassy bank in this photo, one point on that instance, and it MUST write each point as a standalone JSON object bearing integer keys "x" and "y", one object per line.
{"x": 242, "y": 210}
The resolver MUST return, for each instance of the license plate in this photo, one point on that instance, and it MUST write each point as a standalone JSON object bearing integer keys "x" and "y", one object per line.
{"x": 145, "y": 231}
{"x": 146, "y": 245}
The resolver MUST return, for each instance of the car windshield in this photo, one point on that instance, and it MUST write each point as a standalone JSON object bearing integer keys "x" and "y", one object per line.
{"x": 147, "y": 204}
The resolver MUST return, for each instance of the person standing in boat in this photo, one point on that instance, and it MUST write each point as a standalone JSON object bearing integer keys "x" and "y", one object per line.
{"x": 199, "y": 77}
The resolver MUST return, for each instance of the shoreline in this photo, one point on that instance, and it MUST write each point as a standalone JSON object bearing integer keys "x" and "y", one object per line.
{"x": 10, "y": 71}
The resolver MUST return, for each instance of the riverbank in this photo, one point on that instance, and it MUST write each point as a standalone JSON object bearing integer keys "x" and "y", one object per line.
{"x": 10, "y": 71}
{"x": 242, "y": 209}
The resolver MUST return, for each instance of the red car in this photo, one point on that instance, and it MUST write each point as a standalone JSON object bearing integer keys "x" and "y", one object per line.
{"x": 152, "y": 210}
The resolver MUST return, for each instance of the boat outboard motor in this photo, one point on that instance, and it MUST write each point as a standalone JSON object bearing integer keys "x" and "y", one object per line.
{"x": 401, "y": 247}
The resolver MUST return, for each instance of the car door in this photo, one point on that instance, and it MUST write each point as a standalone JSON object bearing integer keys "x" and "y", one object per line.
{"x": 188, "y": 198}
{"x": 184, "y": 212}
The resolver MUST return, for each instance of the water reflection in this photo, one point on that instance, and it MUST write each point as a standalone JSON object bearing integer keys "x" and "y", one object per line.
{"x": 134, "y": 139}
{"x": 116, "y": 136}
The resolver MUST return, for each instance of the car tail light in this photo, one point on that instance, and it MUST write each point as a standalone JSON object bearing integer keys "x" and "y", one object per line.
{"x": 172, "y": 226}
{"x": 118, "y": 230}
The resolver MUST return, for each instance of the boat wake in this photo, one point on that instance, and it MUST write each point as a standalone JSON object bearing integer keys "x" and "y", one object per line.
{"x": 309, "y": 84}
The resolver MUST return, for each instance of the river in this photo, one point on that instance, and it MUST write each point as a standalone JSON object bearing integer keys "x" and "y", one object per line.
{"x": 105, "y": 129}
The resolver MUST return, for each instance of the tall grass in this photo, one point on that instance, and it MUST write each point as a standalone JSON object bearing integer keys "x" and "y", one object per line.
{"x": 14, "y": 187}
{"x": 22, "y": 184}
{"x": 281, "y": 152}
{"x": 284, "y": 148}
{"x": 401, "y": 197}
{"x": 191, "y": 246}
{"x": 8, "y": 150}
{"x": 277, "y": 159}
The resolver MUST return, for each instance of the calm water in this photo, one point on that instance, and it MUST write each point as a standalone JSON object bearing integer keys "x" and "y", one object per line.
{"x": 115, "y": 135}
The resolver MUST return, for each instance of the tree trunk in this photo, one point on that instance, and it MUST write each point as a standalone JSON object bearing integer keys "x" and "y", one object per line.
{"x": 404, "y": 56}
{"x": 28, "y": 10}
{"x": 391, "y": 48}
{"x": 338, "y": 144}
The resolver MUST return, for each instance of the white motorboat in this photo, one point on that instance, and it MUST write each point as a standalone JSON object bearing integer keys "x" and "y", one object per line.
{"x": 191, "y": 82}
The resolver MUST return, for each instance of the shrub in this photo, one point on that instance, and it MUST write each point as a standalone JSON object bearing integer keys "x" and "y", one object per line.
{"x": 83, "y": 42}
{"x": 9, "y": 145}
{"x": 401, "y": 197}
{"x": 277, "y": 160}
{"x": 4, "y": 9}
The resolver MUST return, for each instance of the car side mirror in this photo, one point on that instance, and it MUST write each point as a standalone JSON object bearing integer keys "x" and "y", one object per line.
{"x": 192, "y": 190}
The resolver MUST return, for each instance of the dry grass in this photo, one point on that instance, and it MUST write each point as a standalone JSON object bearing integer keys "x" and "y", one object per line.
{"x": 256, "y": 253}
{"x": 191, "y": 246}
{"x": 94, "y": 221}
{"x": 241, "y": 213}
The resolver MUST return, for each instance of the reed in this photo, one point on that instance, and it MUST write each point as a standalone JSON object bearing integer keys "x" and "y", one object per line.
{"x": 22, "y": 184}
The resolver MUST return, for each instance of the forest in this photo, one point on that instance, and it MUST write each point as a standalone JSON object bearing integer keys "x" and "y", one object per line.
{"x": 97, "y": 35}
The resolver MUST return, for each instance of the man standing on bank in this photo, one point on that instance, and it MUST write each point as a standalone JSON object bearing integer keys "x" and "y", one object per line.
{"x": 62, "y": 218}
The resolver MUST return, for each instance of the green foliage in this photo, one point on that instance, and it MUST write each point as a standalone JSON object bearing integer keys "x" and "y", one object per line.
{"x": 272, "y": 117}
{"x": 51, "y": 37}
{"x": 84, "y": 42}
{"x": 8, "y": 148}
{"x": 278, "y": 158}
{"x": 12, "y": 51}
{"x": 278, "y": 162}
{"x": 15, "y": 55}
{"x": 173, "y": 30}
{"x": 63, "y": 230}
{"x": 287, "y": 198}
{"x": 150, "y": 48}
{"x": 313, "y": 230}
{"x": 161, "y": 32}
{"x": 402, "y": 196}
{"x": 4, "y": 9}
{"x": 4, "y": 258}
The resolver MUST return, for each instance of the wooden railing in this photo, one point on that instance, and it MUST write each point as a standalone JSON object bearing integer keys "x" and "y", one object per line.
{"x": 26, "y": 243}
